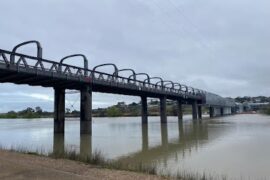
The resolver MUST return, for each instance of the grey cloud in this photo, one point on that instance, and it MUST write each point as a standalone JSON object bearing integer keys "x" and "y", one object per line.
{"x": 220, "y": 46}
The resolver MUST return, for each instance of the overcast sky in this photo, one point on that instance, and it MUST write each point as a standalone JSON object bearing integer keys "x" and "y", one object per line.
{"x": 218, "y": 46}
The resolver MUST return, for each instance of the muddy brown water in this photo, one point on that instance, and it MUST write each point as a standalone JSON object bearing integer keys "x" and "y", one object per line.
{"x": 236, "y": 146}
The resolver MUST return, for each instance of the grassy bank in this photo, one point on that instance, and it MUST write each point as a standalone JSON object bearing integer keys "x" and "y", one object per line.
{"x": 98, "y": 160}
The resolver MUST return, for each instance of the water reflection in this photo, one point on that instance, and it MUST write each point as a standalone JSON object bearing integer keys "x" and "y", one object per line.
{"x": 211, "y": 145}
{"x": 145, "y": 141}
{"x": 58, "y": 144}
{"x": 164, "y": 135}
{"x": 190, "y": 136}
{"x": 85, "y": 145}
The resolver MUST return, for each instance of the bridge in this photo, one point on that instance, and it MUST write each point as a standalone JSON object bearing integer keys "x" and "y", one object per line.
{"x": 20, "y": 68}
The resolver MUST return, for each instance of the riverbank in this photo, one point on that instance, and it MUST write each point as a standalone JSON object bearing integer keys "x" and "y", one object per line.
{"x": 15, "y": 165}
{"x": 119, "y": 110}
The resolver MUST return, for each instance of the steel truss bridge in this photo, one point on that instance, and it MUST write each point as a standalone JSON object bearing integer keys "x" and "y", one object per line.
{"x": 20, "y": 68}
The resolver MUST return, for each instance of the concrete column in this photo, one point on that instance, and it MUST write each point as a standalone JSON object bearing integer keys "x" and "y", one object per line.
{"x": 164, "y": 134}
{"x": 144, "y": 110}
{"x": 179, "y": 111}
{"x": 233, "y": 110}
{"x": 86, "y": 110}
{"x": 200, "y": 112}
{"x": 145, "y": 144}
{"x": 163, "y": 114}
{"x": 59, "y": 110}
{"x": 211, "y": 112}
{"x": 181, "y": 130}
{"x": 58, "y": 144}
{"x": 221, "y": 111}
{"x": 194, "y": 110}
{"x": 85, "y": 146}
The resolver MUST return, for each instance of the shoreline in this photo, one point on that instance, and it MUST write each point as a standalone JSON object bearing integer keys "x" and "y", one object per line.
{"x": 15, "y": 165}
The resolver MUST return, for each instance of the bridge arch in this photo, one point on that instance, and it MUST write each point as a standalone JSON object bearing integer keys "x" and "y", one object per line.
{"x": 169, "y": 83}
{"x": 115, "y": 73}
{"x": 85, "y": 60}
{"x": 131, "y": 70}
{"x": 186, "y": 88}
{"x": 191, "y": 90}
{"x": 149, "y": 80}
{"x": 161, "y": 81}
{"x": 178, "y": 85}
{"x": 39, "y": 50}
{"x": 145, "y": 74}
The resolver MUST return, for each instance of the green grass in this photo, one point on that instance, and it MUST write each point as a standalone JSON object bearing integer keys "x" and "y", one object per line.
{"x": 99, "y": 160}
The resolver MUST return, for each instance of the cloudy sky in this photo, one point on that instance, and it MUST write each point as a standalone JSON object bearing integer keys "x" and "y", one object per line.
{"x": 218, "y": 46}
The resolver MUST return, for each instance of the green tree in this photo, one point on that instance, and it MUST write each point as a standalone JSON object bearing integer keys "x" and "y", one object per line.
{"x": 113, "y": 112}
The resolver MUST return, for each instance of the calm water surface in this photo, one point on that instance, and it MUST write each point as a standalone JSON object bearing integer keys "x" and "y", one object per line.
{"x": 236, "y": 146}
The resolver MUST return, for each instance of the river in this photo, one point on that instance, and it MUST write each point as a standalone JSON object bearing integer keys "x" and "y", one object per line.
{"x": 235, "y": 146}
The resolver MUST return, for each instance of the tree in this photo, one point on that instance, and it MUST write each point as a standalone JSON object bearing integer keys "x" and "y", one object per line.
{"x": 38, "y": 110}
{"x": 113, "y": 111}
{"x": 68, "y": 111}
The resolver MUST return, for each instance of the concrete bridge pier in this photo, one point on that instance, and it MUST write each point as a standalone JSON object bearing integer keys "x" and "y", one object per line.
{"x": 58, "y": 144}
{"x": 145, "y": 143}
{"x": 85, "y": 145}
{"x": 179, "y": 111}
{"x": 200, "y": 112}
{"x": 164, "y": 134}
{"x": 194, "y": 110}
{"x": 144, "y": 110}
{"x": 86, "y": 110}
{"x": 59, "y": 110}
{"x": 211, "y": 112}
{"x": 222, "y": 111}
{"x": 163, "y": 109}
{"x": 233, "y": 110}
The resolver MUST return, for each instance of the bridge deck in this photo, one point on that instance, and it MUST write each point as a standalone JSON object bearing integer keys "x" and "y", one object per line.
{"x": 40, "y": 72}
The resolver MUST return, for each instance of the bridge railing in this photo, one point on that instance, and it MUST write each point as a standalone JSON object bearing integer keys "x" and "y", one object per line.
{"x": 37, "y": 64}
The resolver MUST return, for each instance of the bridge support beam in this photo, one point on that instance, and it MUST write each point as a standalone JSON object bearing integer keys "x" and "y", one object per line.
{"x": 163, "y": 109}
{"x": 59, "y": 110}
{"x": 211, "y": 112}
{"x": 58, "y": 144}
{"x": 233, "y": 110}
{"x": 179, "y": 111}
{"x": 222, "y": 111}
{"x": 195, "y": 110}
{"x": 145, "y": 143}
{"x": 200, "y": 112}
{"x": 164, "y": 134}
{"x": 144, "y": 110}
{"x": 85, "y": 145}
{"x": 86, "y": 111}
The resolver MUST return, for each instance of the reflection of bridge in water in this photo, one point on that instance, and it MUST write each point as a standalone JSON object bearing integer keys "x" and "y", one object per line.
{"x": 191, "y": 135}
